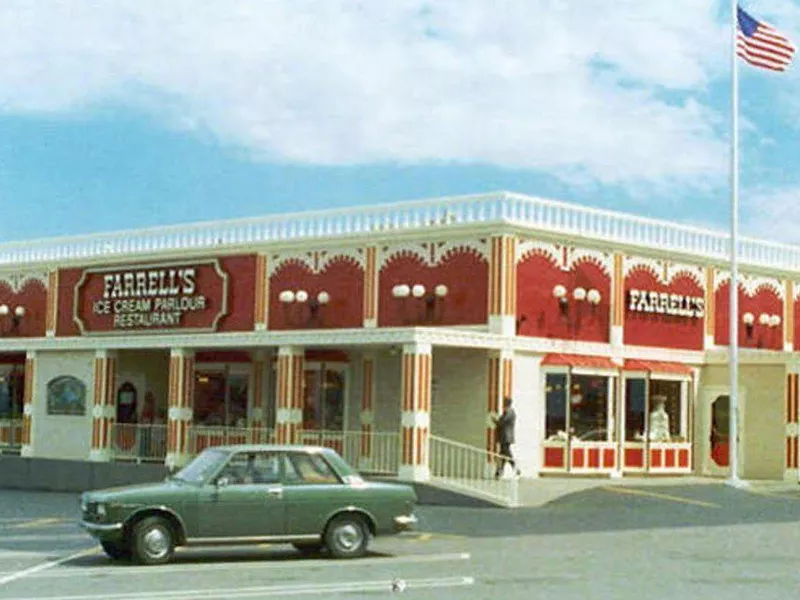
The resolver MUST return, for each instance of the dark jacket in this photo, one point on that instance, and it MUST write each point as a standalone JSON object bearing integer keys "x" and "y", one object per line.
{"x": 505, "y": 427}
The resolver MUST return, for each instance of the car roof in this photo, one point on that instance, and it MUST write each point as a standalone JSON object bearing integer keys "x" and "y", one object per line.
{"x": 270, "y": 448}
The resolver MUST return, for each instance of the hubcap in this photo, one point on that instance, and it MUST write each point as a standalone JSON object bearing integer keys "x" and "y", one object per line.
{"x": 349, "y": 536}
{"x": 156, "y": 542}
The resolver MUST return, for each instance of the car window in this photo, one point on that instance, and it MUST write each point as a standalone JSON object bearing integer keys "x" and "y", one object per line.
{"x": 304, "y": 467}
{"x": 245, "y": 468}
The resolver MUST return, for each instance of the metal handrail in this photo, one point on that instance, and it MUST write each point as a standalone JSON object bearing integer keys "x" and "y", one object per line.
{"x": 472, "y": 470}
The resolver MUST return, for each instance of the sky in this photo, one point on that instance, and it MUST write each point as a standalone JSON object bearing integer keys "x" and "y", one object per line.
{"x": 118, "y": 114}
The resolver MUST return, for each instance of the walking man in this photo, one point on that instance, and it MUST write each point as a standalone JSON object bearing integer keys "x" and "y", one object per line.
{"x": 505, "y": 425}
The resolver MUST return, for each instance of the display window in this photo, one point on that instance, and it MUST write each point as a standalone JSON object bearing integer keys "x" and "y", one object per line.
{"x": 221, "y": 401}
{"x": 580, "y": 424}
{"x": 656, "y": 423}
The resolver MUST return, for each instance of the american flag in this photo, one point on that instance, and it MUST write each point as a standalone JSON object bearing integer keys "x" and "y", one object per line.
{"x": 762, "y": 45}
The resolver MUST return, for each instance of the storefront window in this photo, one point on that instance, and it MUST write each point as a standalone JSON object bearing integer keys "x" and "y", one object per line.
{"x": 589, "y": 408}
{"x": 665, "y": 411}
{"x": 11, "y": 394}
{"x": 220, "y": 398}
{"x": 635, "y": 409}
{"x": 556, "y": 401}
{"x": 324, "y": 398}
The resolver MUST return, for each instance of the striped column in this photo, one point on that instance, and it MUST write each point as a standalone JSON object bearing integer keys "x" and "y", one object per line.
{"x": 617, "y": 306}
{"x": 51, "y": 316}
{"x": 788, "y": 318}
{"x": 371, "y": 288}
{"x": 791, "y": 468}
{"x": 500, "y": 385}
{"x": 257, "y": 416}
{"x": 289, "y": 393}
{"x": 415, "y": 418}
{"x": 104, "y": 405}
{"x": 261, "y": 293}
{"x": 180, "y": 402}
{"x": 367, "y": 414}
{"x": 503, "y": 285}
{"x": 710, "y": 313}
{"x": 28, "y": 422}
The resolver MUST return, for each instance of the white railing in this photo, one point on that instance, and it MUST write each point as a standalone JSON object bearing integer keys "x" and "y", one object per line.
{"x": 525, "y": 211}
{"x": 139, "y": 441}
{"x": 472, "y": 470}
{"x": 373, "y": 452}
{"x": 203, "y": 436}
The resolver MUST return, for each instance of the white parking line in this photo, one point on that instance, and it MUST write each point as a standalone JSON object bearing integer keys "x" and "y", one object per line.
{"x": 35, "y": 537}
{"x": 44, "y": 566}
{"x": 275, "y": 590}
{"x": 260, "y": 564}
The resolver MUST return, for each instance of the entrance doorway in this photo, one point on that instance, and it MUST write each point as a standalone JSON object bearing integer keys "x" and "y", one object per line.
{"x": 714, "y": 433}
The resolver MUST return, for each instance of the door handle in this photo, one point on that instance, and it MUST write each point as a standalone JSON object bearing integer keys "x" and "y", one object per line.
{"x": 275, "y": 493}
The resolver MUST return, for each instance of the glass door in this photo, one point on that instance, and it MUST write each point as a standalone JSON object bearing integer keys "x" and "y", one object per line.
{"x": 12, "y": 392}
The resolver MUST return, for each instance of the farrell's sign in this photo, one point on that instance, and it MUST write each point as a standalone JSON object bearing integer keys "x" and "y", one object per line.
{"x": 161, "y": 297}
{"x": 665, "y": 303}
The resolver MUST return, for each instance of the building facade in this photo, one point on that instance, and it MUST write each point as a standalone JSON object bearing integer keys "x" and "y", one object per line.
{"x": 392, "y": 333}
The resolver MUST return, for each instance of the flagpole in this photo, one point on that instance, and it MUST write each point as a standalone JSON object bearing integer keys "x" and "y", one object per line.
{"x": 733, "y": 359}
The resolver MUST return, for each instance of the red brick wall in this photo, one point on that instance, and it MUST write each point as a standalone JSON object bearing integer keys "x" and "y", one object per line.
{"x": 765, "y": 300}
{"x": 665, "y": 331}
{"x": 463, "y": 270}
{"x": 538, "y": 311}
{"x": 32, "y": 296}
{"x": 343, "y": 280}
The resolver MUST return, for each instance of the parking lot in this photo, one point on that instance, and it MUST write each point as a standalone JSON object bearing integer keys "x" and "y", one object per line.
{"x": 608, "y": 542}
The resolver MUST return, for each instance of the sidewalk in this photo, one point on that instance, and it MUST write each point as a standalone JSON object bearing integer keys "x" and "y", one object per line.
{"x": 540, "y": 491}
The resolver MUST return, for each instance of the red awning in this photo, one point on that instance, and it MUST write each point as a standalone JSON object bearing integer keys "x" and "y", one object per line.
{"x": 579, "y": 360}
{"x": 658, "y": 366}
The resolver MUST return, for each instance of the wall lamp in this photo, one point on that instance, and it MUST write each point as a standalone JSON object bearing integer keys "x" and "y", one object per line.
{"x": 579, "y": 294}
{"x": 16, "y": 316}
{"x": 764, "y": 319}
{"x": 303, "y": 297}
{"x": 418, "y": 291}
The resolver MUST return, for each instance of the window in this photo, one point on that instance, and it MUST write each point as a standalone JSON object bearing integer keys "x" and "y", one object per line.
{"x": 309, "y": 468}
{"x": 324, "y": 398}
{"x": 654, "y": 410}
{"x": 556, "y": 400}
{"x": 220, "y": 398}
{"x": 247, "y": 468}
{"x": 589, "y": 407}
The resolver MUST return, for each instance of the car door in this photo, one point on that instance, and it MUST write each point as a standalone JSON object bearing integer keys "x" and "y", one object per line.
{"x": 312, "y": 490}
{"x": 245, "y": 500}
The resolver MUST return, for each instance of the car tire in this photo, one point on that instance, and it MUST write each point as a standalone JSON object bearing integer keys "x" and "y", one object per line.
{"x": 116, "y": 551}
{"x": 309, "y": 547}
{"x": 347, "y": 536}
{"x": 153, "y": 541}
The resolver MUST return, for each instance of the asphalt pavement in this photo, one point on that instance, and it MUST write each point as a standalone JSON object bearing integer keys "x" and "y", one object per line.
{"x": 670, "y": 541}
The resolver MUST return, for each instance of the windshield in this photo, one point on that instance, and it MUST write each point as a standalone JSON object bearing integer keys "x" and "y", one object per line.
{"x": 201, "y": 468}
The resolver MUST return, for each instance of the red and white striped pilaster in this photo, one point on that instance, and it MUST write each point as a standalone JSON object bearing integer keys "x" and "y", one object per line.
{"x": 500, "y": 385}
{"x": 180, "y": 403}
{"x": 27, "y": 445}
{"x": 367, "y": 414}
{"x": 415, "y": 417}
{"x": 104, "y": 405}
{"x": 792, "y": 430}
{"x": 260, "y": 377}
{"x": 503, "y": 285}
{"x": 290, "y": 374}
{"x": 371, "y": 287}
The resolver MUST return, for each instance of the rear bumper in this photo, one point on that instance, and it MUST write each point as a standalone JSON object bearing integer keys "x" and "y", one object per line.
{"x": 405, "y": 522}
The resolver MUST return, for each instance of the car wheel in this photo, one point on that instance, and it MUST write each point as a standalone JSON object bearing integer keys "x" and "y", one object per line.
{"x": 116, "y": 551}
{"x": 309, "y": 547}
{"x": 153, "y": 541}
{"x": 347, "y": 536}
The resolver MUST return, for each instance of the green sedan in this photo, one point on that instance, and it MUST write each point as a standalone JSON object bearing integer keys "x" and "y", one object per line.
{"x": 307, "y": 496}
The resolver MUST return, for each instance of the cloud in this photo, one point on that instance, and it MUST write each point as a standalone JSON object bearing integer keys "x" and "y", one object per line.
{"x": 608, "y": 93}
{"x": 771, "y": 214}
